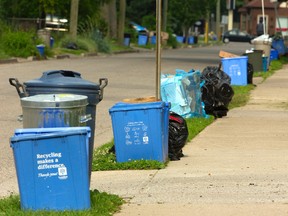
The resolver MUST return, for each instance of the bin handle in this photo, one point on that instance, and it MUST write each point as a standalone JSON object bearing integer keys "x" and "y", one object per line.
{"x": 85, "y": 118}
{"x": 19, "y": 87}
{"x": 103, "y": 83}
{"x": 20, "y": 118}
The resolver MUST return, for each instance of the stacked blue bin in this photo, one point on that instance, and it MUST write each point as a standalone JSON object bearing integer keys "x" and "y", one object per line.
{"x": 52, "y": 166}
{"x": 236, "y": 68}
{"x": 140, "y": 131}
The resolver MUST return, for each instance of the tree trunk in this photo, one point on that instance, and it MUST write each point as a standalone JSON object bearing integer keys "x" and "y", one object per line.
{"x": 109, "y": 13}
{"x": 113, "y": 19}
{"x": 121, "y": 27}
{"x": 74, "y": 18}
{"x": 105, "y": 16}
{"x": 164, "y": 19}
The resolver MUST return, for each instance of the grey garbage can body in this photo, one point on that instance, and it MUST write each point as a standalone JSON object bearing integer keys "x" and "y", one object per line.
{"x": 255, "y": 58}
{"x": 69, "y": 82}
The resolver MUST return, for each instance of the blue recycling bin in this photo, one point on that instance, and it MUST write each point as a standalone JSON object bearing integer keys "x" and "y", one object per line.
{"x": 191, "y": 40}
{"x": 180, "y": 39}
{"x": 51, "y": 42}
{"x": 126, "y": 41}
{"x": 279, "y": 46}
{"x": 140, "y": 131}
{"x": 142, "y": 40}
{"x": 236, "y": 68}
{"x": 52, "y": 168}
{"x": 265, "y": 63}
{"x": 153, "y": 39}
{"x": 41, "y": 49}
{"x": 274, "y": 55}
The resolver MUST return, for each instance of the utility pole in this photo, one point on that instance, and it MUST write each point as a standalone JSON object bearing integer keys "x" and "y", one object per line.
{"x": 74, "y": 18}
{"x": 158, "y": 48}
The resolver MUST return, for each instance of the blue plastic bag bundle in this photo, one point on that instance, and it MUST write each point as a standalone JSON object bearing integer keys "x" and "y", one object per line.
{"x": 183, "y": 91}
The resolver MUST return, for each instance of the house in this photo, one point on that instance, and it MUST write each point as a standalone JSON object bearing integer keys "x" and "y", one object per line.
{"x": 275, "y": 14}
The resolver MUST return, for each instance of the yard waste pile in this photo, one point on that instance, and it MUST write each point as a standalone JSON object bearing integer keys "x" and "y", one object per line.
{"x": 217, "y": 92}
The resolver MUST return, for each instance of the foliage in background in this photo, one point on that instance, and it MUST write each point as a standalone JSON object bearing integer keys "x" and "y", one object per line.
{"x": 102, "y": 204}
{"x": 136, "y": 10}
{"x": 82, "y": 44}
{"x": 184, "y": 16}
{"x": 19, "y": 43}
{"x": 95, "y": 28}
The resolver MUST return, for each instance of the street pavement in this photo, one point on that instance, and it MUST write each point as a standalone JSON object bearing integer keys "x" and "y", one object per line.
{"x": 236, "y": 166}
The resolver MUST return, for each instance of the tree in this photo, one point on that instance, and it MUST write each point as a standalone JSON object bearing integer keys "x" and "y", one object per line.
{"x": 109, "y": 13}
{"x": 74, "y": 18}
{"x": 122, "y": 14}
{"x": 185, "y": 13}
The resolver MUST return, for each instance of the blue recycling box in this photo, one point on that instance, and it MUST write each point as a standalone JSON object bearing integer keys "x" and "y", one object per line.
{"x": 180, "y": 39}
{"x": 274, "y": 55}
{"x": 52, "y": 168}
{"x": 142, "y": 40}
{"x": 140, "y": 131}
{"x": 191, "y": 40}
{"x": 153, "y": 40}
{"x": 236, "y": 68}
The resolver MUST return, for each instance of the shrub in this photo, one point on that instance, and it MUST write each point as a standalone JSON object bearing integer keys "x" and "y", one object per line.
{"x": 19, "y": 43}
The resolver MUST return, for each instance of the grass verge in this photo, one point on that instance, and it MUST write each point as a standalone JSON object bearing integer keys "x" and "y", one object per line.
{"x": 102, "y": 204}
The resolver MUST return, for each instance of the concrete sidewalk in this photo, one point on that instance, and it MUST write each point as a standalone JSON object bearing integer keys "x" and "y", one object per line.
{"x": 236, "y": 166}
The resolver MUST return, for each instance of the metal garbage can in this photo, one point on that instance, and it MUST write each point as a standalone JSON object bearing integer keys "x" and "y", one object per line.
{"x": 264, "y": 45}
{"x": 54, "y": 110}
{"x": 65, "y": 81}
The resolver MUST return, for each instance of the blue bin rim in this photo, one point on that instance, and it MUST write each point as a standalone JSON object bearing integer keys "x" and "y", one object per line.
{"x": 238, "y": 57}
{"x": 16, "y": 139}
{"x": 122, "y": 106}
{"x": 28, "y": 131}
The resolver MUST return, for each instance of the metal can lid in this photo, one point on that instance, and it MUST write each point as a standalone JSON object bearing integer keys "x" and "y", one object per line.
{"x": 54, "y": 101}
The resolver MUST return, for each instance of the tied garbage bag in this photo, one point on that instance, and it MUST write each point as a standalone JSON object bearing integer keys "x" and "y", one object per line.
{"x": 217, "y": 92}
{"x": 178, "y": 134}
{"x": 183, "y": 91}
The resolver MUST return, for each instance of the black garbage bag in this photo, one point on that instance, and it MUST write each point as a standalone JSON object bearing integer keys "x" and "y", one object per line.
{"x": 178, "y": 134}
{"x": 216, "y": 92}
{"x": 250, "y": 72}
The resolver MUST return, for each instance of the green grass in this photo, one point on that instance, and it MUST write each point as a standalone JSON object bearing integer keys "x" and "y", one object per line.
{"x": 102, "y": 204}
{"x": 105, "y": 159}
{"x": 196, "y": 125}
{"x": 241, "y": 96}
{"x": 274, "y": 66}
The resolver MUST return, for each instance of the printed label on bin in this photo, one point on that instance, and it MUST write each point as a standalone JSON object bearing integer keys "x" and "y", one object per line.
{"x": 234, "y": 70}
{"x": 136, "y": 133}
{"x": 49, "y": 165}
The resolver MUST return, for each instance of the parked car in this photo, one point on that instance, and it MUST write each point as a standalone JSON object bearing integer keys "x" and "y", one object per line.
{"x": 237, "y": 36}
